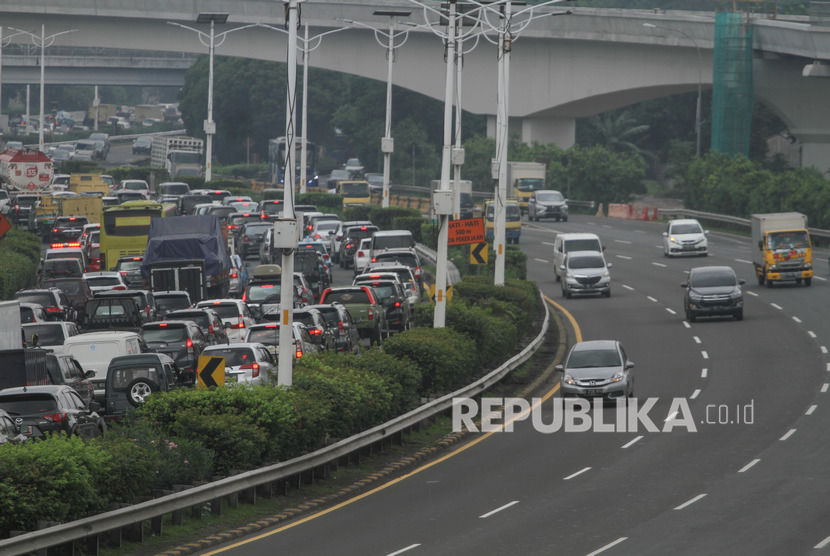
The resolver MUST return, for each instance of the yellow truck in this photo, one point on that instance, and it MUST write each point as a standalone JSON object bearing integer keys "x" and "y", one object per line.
{"x": 52, "y": 206}
{"x": 512, "y": 221}
{"x": 88, "y": 184}
{"x": 523, "y": 178}
{"x": 781, "y": 248}
{"x": 355, "y": 193}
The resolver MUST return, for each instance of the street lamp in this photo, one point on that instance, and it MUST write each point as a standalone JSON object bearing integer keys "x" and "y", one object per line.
{"x": 43, "y": 39}
{"x": 304, "y": 139}
{"x": 699, "y": 79}
{"x": 387, "y": 144}
{"x": 210, "y": 41}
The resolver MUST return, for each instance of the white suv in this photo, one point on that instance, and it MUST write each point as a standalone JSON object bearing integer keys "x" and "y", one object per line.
{"x": 235, "y": 314}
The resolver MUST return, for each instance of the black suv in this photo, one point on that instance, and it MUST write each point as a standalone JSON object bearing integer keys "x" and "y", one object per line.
{"x": 130, "y": 269}
{"x": 351, "y": 241}
{"x": 76, "y": 290}
{"x": 250, "y": 237}
{"x": 181, "y": 340}
{"x": 207, "y": 319}
{"x": 318, "y": 328}
{"x": 53, "y": 300}
{"x": 67, "y": 228}
{"x": 145, "y": 300}
{"x": 713, "y": 291}
{"x": 34, "y": 408}
{"x": 311, "y": 265}
{"x": 131, "y": 378}
{"x": 346, "y": 336}
{"x": 393, "y": 298}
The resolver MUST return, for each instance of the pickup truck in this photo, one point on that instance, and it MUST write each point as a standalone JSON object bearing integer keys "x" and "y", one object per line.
{"x": 365, "y": 309}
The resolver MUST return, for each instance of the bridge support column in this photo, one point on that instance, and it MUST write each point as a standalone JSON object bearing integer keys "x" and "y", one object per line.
{"x": 801, "y": 103}
{"x": 561, "y": 131}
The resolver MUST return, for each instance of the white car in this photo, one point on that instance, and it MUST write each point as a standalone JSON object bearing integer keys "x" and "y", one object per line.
{"x": 362, "y": 255}
{"x": 245, "y": 363}
{"x": 235, "y": 314}
{"x": 685, "y": 237}
{"x": 104, "y": 281}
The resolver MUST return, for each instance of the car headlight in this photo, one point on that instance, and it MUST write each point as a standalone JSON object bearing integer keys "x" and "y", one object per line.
{"x": 568, "y": 379}
{"x": 695, "y": 298}
{"x": 618, "y": 377}
{"x": 673, "y": 239}
{"x": 808, "y": 265}
{"x": 735, "y": 295}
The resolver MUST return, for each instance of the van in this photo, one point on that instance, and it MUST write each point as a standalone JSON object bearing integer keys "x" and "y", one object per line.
{"x": 95, "y": 350}
{"x": 512, "y": 221}
{"x": 567, "y": 242}
{"x": 67, "y": 253}
{"x": 390, "y": 239}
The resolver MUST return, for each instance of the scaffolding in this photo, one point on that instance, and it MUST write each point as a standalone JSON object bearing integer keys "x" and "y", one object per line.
{"x": 732, "y": 87}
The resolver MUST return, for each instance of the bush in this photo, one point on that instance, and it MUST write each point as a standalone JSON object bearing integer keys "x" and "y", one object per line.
{"x": 494, "y": 337}
{"x": 138, "y": 173}
{"x": 384, "y": 218}
{"x": 19, "y": 254}
{"x": 325, "y": 202}
{"x": 445, "y": 357}
{"x": 411, "y": 223}
{"x": 245, "y": 171}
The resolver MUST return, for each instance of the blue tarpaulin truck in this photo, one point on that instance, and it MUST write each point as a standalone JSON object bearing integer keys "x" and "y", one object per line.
{"x": 187, "y": 253}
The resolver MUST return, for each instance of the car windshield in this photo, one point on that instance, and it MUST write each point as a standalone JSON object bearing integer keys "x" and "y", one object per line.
{"x": 234, "y": 357}
{"x": 28, "y": 404}
{"x": 582, "y": 245}
{"x": 69, "y": 287}
{"x": 384, "y": 292}
{"x": 327, "y": 226}
{"x": 788, "y": 240}
{"x": 167, "y": 334}
{"x": 103, "y": 281}
{"x": 712, "y": 279}
{"x": 269, "y": 336}
{"x": 115, "y": 310}
{"x": 586, "y": 262}
{"x": 123, "y": 376}
{"x": 49, "y": 334}
{"x": 44, "y": 299}
{"x": 356, "y": 189}
{"x": 305, "y": 318}
{"x": 200, "y": 318}
{"x": 129, "y": 265}
{"x": 54, "y": 268}
{"x": 347, "y": 297}
{"x": 549, "y": 196}
{"x": 361, "y": 233}
{"x": 331, "y": 316}
{"x": 174, "y": 189}
{"x": 690, "y": 228}
{"x": 403, "y": 258}
{"x": 260, "y": 293}
{"x": 172, "y": 303}
{"x": 593, "y": 358}
{"x": 226, "y": 310}
{"x": 340, "y": 174}
{"x": 528, "y": 185}
{"x": 257, "y": 229}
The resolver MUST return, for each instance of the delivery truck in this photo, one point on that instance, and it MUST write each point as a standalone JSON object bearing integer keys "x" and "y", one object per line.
{"x": 781, "y": 248}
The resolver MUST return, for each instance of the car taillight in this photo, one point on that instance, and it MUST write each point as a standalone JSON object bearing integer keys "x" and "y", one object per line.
{"x": 55, "y": 230}
{"x": 53, "y": 309}
{"x": 417, "y": 272}
{"x": 360, "y": 254}
{"x": 245, "y": 238}
{"x": 147, "y": 310}
{"x": 241, "y": 322}
{"x": 254, "y": 367}
{"x": 122, "y": 272}
{"x": 210, "y": 329}
{"x": 374, "y": 259}
{"x": 189, "y": 346}
{"x": 348, "y": 246}
{"x": 299, "y": 348}
{"x": 56, "y": 417}
{"x": 371, "y": 314}
{"x": 397, "y": 304}
{"x": 340, "y": 325}
{"x": 120, "y": 288}
{"x": 315, "y": 332}
{"x": 234, "y": 275}
{"x": 244, "y": 296}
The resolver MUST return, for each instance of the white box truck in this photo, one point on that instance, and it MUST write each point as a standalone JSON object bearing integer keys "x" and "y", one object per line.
{"x": 180, "y": 156}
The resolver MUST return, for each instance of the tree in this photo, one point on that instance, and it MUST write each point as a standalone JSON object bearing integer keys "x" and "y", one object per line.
{"x": 597, "y": 174}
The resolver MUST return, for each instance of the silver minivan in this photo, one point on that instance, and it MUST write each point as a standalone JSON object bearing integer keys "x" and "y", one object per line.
{"x": 390, "y": 239}
{"x": 567, "y": 242}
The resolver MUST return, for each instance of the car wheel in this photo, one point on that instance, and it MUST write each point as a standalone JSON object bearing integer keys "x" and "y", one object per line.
{"x": 798, "y": 281}
{"x": 565, "y": 293}
{"x": 808, "y": 281}
{"x": 690, "y": 316}
{"x": 761, "y": 279}
{"x": 607, "y": 293}
{"x": 378, "y": 340}
{"x": 565, "y": 219}
{"x": 739, "y": 315}
{"x": 139, "y": 389}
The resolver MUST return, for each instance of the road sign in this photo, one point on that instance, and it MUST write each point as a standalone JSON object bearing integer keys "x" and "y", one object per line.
{"x": 210, "y": 371}
{"x": 4, "y": 225}
{"x": 478, "y": 253}
{"x": 469, "y": 230}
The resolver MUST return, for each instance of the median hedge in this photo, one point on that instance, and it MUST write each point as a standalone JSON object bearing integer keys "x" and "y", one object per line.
{"x": 192, "y": 435}
{"x": 19, "y": 258}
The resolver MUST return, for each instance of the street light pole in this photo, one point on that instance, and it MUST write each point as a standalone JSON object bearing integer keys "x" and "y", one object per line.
{"x": 387, "y": 143}
{"x": 210, "y": 40}
{"x": 699, "y": 80}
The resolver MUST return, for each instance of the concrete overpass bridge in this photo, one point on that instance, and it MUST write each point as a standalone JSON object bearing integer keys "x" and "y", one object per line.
{"x": 562, "y": 68}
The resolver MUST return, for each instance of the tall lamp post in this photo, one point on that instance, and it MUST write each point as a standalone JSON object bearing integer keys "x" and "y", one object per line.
{"x": 306, "y": 50}
{"x": 699, "y": 79}
{"x": 209, "y": 40}
{"x": 387, "y": 144}
{"x": 43, "y": 44}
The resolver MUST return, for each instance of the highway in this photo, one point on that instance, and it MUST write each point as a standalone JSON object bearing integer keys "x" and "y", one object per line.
{"x": 737, "y": 465}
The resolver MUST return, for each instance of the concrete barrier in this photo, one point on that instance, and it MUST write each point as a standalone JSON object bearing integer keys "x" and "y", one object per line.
{"x": 620, "y": 210}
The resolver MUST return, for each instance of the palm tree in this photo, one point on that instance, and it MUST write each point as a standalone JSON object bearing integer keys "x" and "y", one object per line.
{"x": 620, "y": 133}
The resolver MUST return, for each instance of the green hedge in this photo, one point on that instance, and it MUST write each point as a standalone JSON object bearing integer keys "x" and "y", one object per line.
{"x": 325, "y": 202}
{"x": 445, "y": 357}
{"x": 19, "y": 258}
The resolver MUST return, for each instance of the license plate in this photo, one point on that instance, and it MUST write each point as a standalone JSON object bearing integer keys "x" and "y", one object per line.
{"x": 593, "y": 392}
{"x": 25, "y": 429}
{"x": 790, "y": 275}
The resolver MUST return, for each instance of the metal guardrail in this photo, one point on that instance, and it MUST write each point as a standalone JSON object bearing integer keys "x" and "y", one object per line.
{"x": 736, "y": 222}
{"x": 453, "y": 274}
{"x": 137, "y": 513}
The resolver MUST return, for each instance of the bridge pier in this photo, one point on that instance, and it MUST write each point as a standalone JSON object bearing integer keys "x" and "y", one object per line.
{"x": 560, "y": 131}
{"x": 799, "y": 102}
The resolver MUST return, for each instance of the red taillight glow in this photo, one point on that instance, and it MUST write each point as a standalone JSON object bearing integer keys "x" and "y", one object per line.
{"x": 163, "y": 324}
{"x": 397, "y": 304}
{"x": 254, "y": 367}
{"x": 245, "y": 238}
{"x": 299, "y": 349}
{"x": 315, "y": 332}
{"x": 53, "y": 309}
{"x": 234, "y": 275}
{"x": 56, "y": 417}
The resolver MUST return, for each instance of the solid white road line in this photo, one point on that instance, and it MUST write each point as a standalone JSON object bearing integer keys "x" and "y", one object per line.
{"x": 607, "y": 546}
{"x": 497, "y": 510}
{"x": 810, "y": 410}
{"x": 746, "y": 467}
{"x": 622, "y": 241}
{"x": 402, "y": 550}
{"x": 822, "y": 278}
{"x": 690, "y": 502}
{"x": 743, "y": 261}
{"x": 637, "y": 439}
{"x": 542, "y": 261}
{"x": 788, "y": 434}
{"x": 576, "y": 474}
{"x": 547, "y": 243}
